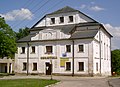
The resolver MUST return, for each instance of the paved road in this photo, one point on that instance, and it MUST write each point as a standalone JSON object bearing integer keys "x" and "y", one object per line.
{"x": 114, "y": 82}
{"x": 68, "y": 81}
{"x": 82, "y": 82}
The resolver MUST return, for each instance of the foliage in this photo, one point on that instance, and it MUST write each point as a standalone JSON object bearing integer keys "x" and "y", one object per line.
{"x": 26, "y": 83}
{"x": 116, "y": 61}
{"x": 7, "y": 40}
{"x": 22, "y": 33}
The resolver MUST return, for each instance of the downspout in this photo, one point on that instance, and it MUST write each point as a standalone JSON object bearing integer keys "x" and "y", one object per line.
{"x": 110, "y": 57}
{"x": 100, "y": 48}
{"x": 27, "y": 58}
{"x": 73, "y": 58}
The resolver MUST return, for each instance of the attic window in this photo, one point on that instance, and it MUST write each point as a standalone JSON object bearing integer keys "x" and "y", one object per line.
{"x": 70, "y": 18}
{"x": 52, "y": 20}
{"x": 61, "y": 19}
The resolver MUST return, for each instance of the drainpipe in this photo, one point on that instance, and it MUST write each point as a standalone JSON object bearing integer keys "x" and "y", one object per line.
{"x": 73, "y": 58}
{"x": 27, "y": 58}
{"x": 110, "y": 57}
{"x": 100, "y": 48}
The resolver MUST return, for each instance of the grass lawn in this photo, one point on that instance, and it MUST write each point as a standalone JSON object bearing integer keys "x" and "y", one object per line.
{"x": 26, "y": 83}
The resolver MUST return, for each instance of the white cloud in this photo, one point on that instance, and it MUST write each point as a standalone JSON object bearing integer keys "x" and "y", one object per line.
{"x": 83, "y": 6}
{"x": 93, "y": 7}
{"x": 20, "y": 14}
{"x": 115, "y": 31}
{"x": 96, "y": 8}
{"x": 92, "y": 2}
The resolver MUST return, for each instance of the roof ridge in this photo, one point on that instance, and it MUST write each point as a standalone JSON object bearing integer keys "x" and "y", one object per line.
{"x": 64, "y": 10}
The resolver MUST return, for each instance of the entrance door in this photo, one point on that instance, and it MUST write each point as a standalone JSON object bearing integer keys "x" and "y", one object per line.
{"x": 48, "y": 68}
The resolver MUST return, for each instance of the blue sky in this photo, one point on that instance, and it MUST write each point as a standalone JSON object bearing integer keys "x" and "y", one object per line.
{"x": 21, "y": 13}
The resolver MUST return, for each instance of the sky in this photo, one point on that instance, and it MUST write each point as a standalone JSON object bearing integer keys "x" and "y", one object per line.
{"x": 25, "y": 13}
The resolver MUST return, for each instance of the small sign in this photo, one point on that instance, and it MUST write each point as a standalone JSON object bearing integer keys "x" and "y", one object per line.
{"x": 63, "y": 61}
{"x": 49, "y": 57}
{"x": 64, "y": 55}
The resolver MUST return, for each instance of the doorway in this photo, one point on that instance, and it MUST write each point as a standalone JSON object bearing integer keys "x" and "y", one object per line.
{"x": 48, "y": 68}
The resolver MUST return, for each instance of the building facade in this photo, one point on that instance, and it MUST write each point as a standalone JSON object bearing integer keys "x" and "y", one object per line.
{"x": 6, "y": 65}
{"x": 65, "y": 42}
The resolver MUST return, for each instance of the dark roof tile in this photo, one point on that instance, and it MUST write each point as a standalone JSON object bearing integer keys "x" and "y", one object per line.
{"x": 84, "y": 34}
{"x": 27, "y": 38}
{"x": 64, "y": 10}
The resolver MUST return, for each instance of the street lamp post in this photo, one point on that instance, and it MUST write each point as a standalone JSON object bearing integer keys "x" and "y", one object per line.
{"x": 27, "y": 58}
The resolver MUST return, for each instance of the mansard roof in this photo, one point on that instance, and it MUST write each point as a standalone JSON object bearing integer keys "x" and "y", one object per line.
{"x": 67, "y": 30}
{"x": 64, "y": 10}
{"x": 84, "y": 34}
{"x": 27, "y": 38}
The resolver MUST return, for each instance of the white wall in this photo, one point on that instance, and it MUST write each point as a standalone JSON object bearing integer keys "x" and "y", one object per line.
{"x": 48, "y": 34}
{"x": 105, "y": 53}
{"x": 77, "y": 18}
{"x": 59, "y": 47}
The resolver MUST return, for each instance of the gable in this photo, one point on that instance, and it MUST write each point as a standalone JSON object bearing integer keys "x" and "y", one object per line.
{"x": 65, "y": 9}
{"x": 78, "y": 17}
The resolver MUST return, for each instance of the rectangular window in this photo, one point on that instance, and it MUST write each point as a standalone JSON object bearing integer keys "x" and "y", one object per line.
{"x": 48, "y": 49}
{"x": 23, "y": 50}
{"x": 68, "y": 48}
{"x": 52, "y": 20}
{"x": 34, "y": 66}
{"x": 24, "y": 66}
{"x": 81, "y": 66}
{"x": 61, "y": 19}
{"x": 68, "y": 66}
{"x": 96, "y": 66}
{"x": 80, "y": 48}
{"x": 33, "y": 49}
{"x": 70, "y": 18}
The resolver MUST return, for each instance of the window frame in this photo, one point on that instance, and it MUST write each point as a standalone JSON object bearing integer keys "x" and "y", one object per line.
{"x": 34, "y": 66}
{"x": 49, "y": 52}
{"x": 52, "y": 20}
{"x": 23, "y": 51}
{"x": 81, "y": 68}
{"x": 66, "y": 68}
{"x": 70, "y": 19}
{"x": 33, "y": 51}
{"x": 82, "y": 48}
{"x": 61, "y": 19}
{"x": 24, "y": 66}
{"x": 68, "y": 50}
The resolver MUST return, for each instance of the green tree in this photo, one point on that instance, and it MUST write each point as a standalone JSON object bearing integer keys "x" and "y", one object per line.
{"x": 7, "y": 40}
{"x": 22, "y": 33}
{"x": 116, "y": 61}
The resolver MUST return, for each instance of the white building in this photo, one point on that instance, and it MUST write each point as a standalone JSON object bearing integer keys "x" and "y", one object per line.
{"x": 75, "y": 44}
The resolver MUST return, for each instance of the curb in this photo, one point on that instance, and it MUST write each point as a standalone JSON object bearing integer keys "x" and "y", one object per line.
{"x": 53, "y": 84}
